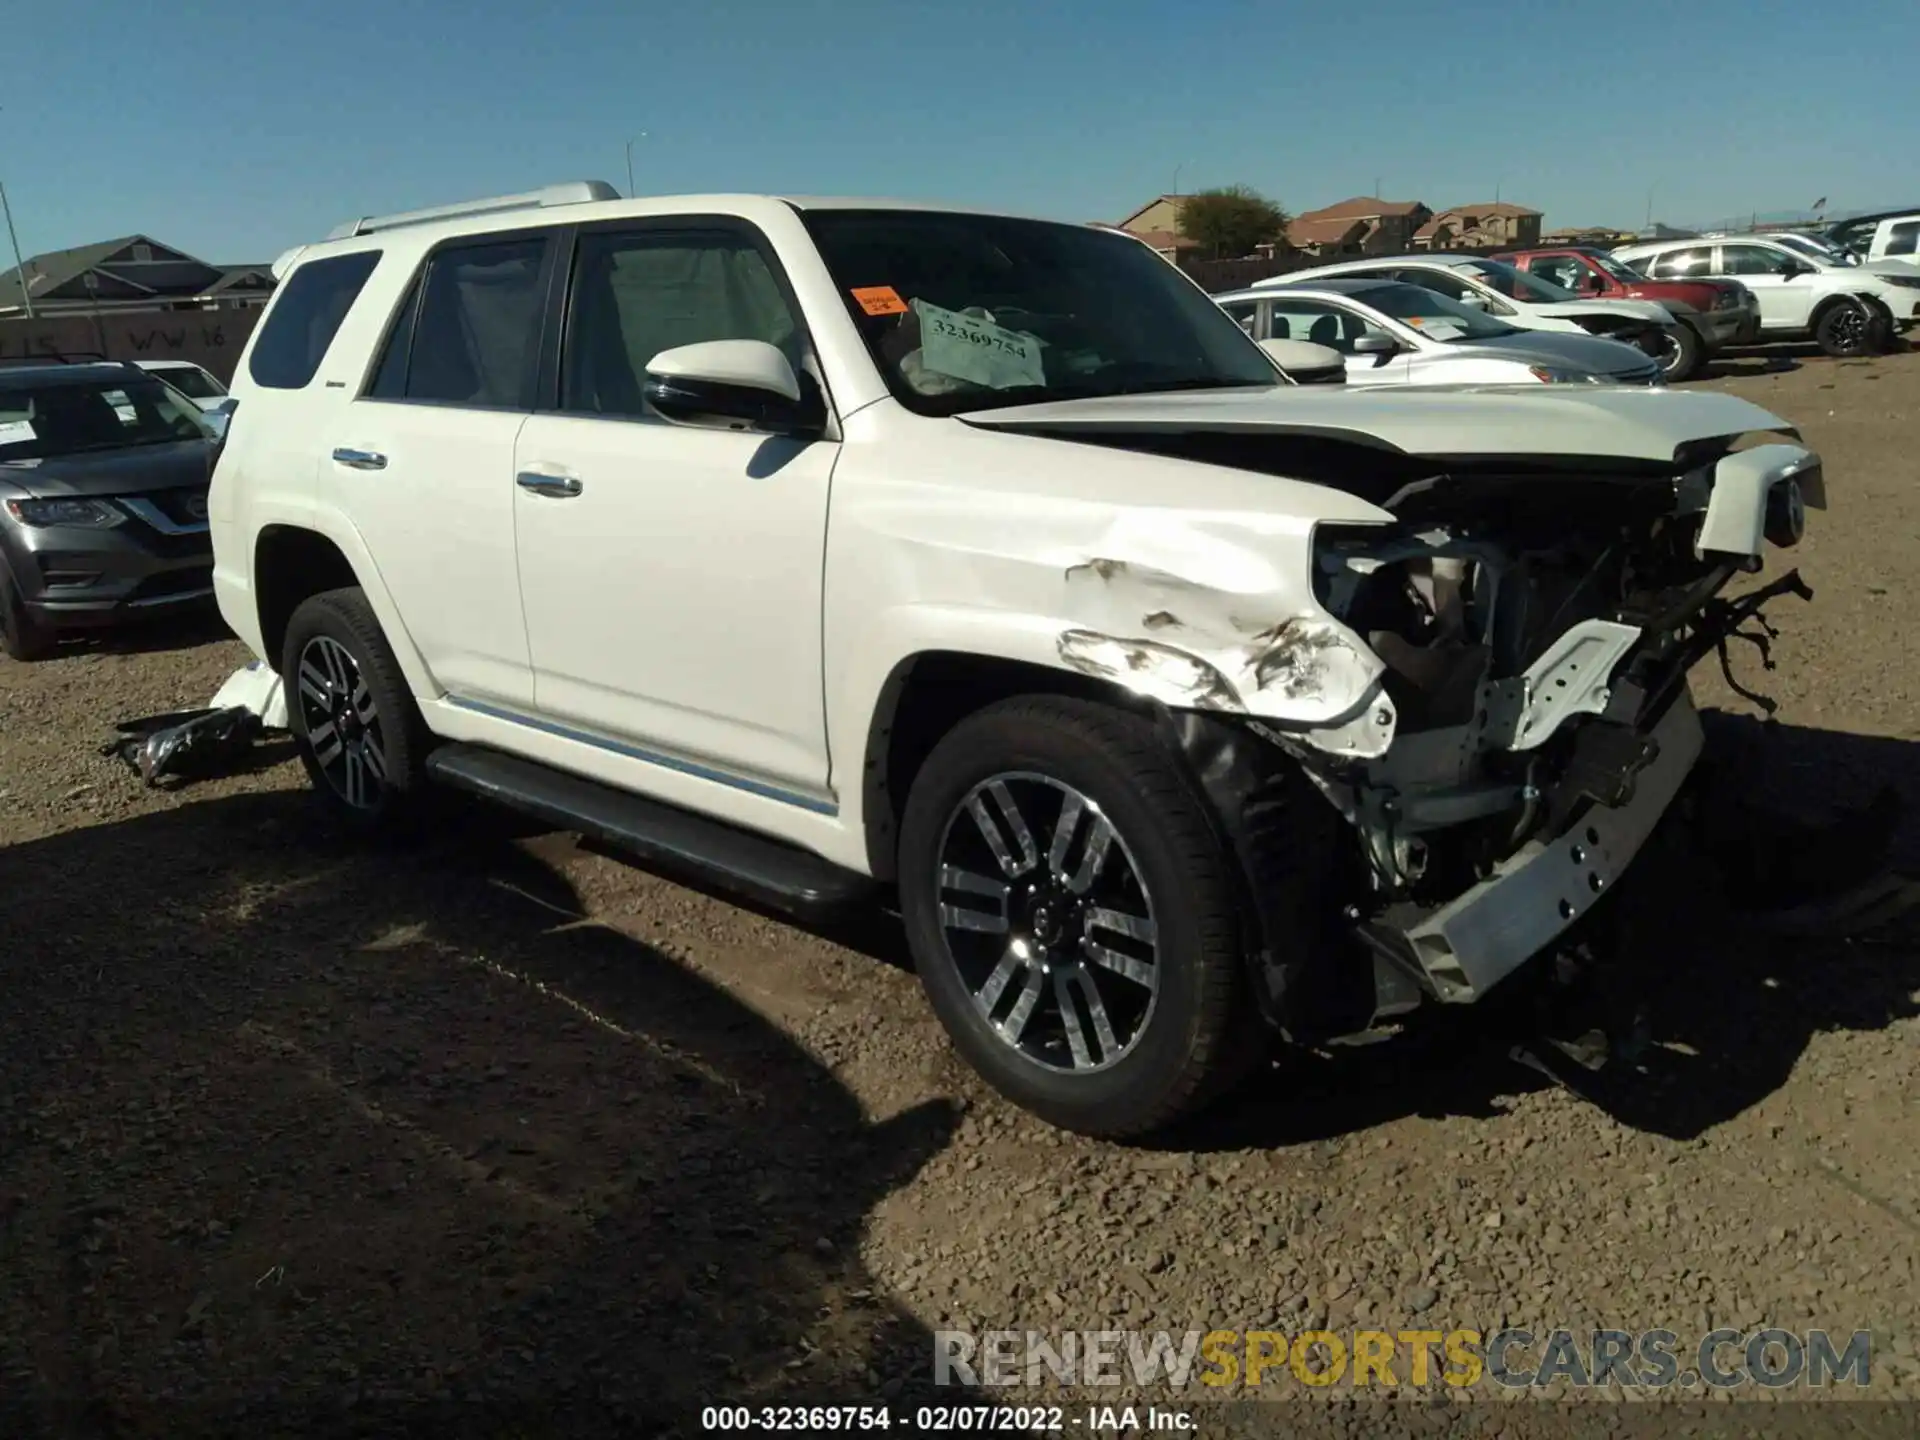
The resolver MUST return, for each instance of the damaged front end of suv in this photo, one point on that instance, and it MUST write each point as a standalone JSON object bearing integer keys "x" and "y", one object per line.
{"x": 1535, "y": 643}
{"x": 1502, "y": 670}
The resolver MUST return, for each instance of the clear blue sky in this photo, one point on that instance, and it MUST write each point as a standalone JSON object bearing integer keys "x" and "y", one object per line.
{"x": 236, "y": 130}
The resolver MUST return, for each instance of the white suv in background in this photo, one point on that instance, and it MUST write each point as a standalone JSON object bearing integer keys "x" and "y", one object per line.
{"x": 827, "y": 549}
{"x": 1845, "y": 309}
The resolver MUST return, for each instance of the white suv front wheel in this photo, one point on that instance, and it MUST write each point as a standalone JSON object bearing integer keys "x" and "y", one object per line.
{"x": 1073, "y": 917}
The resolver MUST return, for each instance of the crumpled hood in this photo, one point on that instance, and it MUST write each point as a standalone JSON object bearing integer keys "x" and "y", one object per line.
{"x": 136, "y": 470}
{"x": 1649, "y": 310}
{"x": 1566, "y": 420}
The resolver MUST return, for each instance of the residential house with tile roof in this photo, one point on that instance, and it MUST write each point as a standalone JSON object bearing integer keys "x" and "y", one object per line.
{"x": 1158, "y": 223}
{"x": 1491, "y": 225}
{"x": 1362, "y": 225}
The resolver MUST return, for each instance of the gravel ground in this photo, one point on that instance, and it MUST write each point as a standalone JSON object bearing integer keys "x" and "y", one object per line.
{"x": 294, "y": 1135}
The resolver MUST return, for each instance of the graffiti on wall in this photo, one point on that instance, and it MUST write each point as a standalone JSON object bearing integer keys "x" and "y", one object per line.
{"x": 212, "y": 340}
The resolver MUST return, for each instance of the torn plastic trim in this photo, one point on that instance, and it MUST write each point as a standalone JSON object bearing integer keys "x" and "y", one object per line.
{"x": 1739, "y": 491}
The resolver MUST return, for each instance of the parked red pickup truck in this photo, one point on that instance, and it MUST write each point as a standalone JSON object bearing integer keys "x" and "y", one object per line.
{"x": 1712, "y": 313}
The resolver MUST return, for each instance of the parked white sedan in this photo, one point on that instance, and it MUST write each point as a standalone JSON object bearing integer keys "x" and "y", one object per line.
{"x": 1398, "y": 334}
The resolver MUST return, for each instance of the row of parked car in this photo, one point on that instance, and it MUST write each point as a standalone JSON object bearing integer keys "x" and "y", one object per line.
{"x": 1643, "y": 314}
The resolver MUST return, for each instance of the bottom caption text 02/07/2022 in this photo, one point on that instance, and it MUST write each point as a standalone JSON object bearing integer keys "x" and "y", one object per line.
{"x": 951, "y": 1419}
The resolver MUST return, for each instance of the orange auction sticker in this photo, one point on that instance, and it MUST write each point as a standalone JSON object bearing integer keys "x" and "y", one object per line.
{"x": 880, "y": 300}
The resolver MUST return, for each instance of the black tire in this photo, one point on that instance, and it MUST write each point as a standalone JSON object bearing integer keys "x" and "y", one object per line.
{"x": 23, "y": 636}
{"x": 1186, "y": 1043}
{"x": 1845, "y": 329}
{"x": 384, "y": 719}
{"x": 1682, "y": 353}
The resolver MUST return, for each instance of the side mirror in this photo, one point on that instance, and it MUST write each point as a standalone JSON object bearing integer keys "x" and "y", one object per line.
{"x": 227, "y": 406}
{"x": 1472, "y": 301}
{"x": 1306, "y": 363}
{"x": 1376, "y": 345}
{"x": 747, "y": 381}
{"x": 1597, "y": 284}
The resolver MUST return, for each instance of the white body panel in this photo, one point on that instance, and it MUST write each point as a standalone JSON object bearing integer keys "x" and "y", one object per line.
{"x": 675, "y": 601}
{"x": 714, "y": 619}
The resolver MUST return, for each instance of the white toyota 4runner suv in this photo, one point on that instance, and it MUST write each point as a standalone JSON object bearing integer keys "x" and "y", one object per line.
{"x": 839, "y": 550}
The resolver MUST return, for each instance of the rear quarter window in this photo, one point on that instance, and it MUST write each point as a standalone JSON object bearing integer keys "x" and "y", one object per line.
{"x": 305, "y": 317}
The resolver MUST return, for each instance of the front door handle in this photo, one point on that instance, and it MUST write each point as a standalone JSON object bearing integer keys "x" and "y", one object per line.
{"x": 558, "y": 487}
{"x": 359, "y": 459}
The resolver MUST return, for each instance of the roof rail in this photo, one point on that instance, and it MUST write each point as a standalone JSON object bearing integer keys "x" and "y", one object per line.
{"x": 573, "y": 192}
{"x": 61, "y": 357}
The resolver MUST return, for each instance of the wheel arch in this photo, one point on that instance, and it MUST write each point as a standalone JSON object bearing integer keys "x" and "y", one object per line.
{"x": 292, "y": 562}
{"x": 922, "y": 698}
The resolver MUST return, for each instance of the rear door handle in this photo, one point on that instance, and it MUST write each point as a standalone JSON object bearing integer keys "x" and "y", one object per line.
{"x": 558, "y": 487}
{"x": 359, "y": 459}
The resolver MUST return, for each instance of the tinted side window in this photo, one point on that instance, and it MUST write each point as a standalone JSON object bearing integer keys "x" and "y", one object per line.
{"x": 1317, "y": 322}
{"x": 390, "y": 379}
{"x": 1562, "y": 270}
{"x": 1439, "y": 282}
{"x": 1904, "y": 238}
{"x": 1677, "y": 264}
{"x": 305, "y": 318}
{"x": 478, "y": 335}
{"x": 638, "y": 293}
{"x": 1752, "y": 260}
{"x": 1242, "y": 312}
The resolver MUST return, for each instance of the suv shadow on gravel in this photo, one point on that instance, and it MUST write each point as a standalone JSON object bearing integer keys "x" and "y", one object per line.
{"x": 371, "y": 1142}
{"x": 1715, "y": 1007}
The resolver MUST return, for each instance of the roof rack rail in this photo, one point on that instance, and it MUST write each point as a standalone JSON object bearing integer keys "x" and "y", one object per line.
{"x": 572, "y": 192}
{"x": 61, "y": 357}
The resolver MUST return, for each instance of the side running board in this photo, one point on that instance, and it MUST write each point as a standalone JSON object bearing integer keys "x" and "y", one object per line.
{"x": 777, "y": 875}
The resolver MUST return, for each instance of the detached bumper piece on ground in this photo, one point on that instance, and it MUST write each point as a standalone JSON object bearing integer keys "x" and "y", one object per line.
{"x": 200, "y": 744}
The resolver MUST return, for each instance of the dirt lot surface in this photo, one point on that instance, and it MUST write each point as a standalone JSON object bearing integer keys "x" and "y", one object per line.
{"x": 296, "y": 1135}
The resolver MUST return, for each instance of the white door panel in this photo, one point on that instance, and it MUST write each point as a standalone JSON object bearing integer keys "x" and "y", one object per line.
{"x": 674, "y": 601}
{"x": 430, "y": 488}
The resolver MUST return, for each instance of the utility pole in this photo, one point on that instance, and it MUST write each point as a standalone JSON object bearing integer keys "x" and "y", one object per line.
{"x": 641, "y": 136}
{"x": 1650, "y": 207}
{"x": 20, "y": 265}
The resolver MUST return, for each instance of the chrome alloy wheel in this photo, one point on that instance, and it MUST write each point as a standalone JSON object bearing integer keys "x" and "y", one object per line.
{"x": 1850, "y": 329}
{"x": 342, "y": 722}
{"x": 1058, "y": 948}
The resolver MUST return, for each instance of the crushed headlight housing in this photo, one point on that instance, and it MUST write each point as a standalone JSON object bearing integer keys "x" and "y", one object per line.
{"x": 90, "y": 514}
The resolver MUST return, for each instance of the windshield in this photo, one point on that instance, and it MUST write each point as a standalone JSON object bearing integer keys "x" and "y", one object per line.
{"x": 1817, "y": 250}
{"x": 1431, "y": 314}
{"x": 968, "y": 312}
{"x": 192, "y": 382}
{"x": 68, "y": 417}
{"x": 1618, "y": 269}
{"x": 1518, "y": 284}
